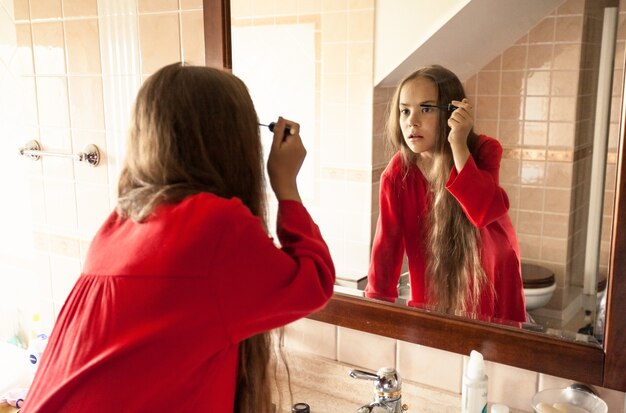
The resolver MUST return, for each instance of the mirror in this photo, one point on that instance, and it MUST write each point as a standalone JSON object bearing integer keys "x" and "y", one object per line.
{"x": 535, "y": 96}
{"x": 576, "y": 361}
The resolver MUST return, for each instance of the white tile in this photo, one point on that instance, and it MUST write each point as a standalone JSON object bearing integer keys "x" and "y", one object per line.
{"x": 368, "y": 351}
{"x": 312, "y": 336}
{"x": 430, "y": 366}
{"x": 503, "y": 379}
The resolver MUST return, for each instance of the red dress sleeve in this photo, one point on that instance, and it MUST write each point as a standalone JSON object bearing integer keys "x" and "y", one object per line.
{"x": 388, "y": 246}
{"x": 477, "y": 186}
{"x": 264, "y": 287}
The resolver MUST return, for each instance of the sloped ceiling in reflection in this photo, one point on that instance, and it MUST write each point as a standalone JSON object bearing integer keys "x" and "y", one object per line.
{"x": 462, "y": 35}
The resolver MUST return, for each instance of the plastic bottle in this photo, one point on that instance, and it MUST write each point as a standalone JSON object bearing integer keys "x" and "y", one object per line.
{"x": 474, "y": 390}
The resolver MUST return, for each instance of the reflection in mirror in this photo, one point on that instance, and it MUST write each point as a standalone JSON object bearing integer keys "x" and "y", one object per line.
{"x": 537, "y": 96}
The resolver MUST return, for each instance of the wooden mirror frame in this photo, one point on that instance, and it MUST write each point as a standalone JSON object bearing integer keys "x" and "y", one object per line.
{"x": 542, "y": 353}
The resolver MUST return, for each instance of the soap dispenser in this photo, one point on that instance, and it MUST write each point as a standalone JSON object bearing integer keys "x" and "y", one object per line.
{"x": 474, "y": 390}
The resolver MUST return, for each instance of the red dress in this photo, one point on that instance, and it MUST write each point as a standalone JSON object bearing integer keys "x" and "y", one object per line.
{"x": 155, "y": 320}
{"x": 404, "y": 203}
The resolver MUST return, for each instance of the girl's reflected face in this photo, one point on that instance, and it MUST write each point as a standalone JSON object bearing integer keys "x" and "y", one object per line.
{"x": 419, "y": 116}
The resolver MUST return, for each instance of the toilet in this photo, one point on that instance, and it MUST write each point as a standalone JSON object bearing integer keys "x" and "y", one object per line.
{"x": 539, "y": 285}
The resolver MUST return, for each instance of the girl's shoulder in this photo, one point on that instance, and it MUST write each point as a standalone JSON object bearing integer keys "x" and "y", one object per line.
{"x": 486, "y": 146}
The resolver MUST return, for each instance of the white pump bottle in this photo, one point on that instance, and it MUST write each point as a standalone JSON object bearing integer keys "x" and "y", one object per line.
{"x": 474, "y": 390}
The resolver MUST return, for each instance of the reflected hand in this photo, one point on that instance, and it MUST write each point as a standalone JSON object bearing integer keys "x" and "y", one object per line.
{"x": 460, "y": 122}
{"x": 285, "y": 159}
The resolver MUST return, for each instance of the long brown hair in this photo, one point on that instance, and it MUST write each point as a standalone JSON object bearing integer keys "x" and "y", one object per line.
{"x": 454, "y": 274}
{"x": 194, "y": 129}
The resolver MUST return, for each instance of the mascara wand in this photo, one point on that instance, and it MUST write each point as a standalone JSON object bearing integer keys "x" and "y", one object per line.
{"x": 288, "y": 130}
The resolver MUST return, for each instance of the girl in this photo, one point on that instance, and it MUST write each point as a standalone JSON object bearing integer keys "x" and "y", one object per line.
{"x": 182, "y": 282}
{"x": 441, "y": 203}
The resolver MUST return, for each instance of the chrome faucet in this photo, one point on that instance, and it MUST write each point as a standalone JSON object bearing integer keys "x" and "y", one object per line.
{"x": 387, "y": 391}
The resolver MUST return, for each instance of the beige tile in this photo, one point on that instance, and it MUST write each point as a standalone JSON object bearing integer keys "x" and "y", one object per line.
{"x": 543, "y": 32}
{"x": 192, "y": 32}
{"x": 488, "y": 127}
{"x": 359, "y": 96}
{"x": 334, "y": 5}
{"x": 510, "y": 171}
{"x": 529, "y": 222}
{"x": 24, "y": 48}
{"x": 564, "y": 83}
{"x": 360, "y": 58}
{"x": 511, "y": 108}
{"x": 83, "y": 46}
{"x": 553, "y": 250}
{"x": 540, "y": 56}
{"x": 538, "y": 83}
{"x": 566, "y": 56}
{"x": 64, "y": 272}
{"x": 494, "y": 64}
{"x": 569, "y": 28}
{"x": 487, "y": 107}
{"x": 531, "y": 198}
{"x": 559, "y": 174}
{"x": 191, "y": 4}
{"x": 488, "y": 83}
{"x": 510, "y": 132}
{"x": 571, "y": 7}
{"x": 563, "y": 109}
{"x": 334, "y": 56}
{"x": 430, "y": 366}
{"x": 159, "y": 41}
{"x": 561, "y": 135}
{"x": 361, "y": 26}
{"x": 514, "y": 58}
{"x": 86, "y": 102}
{"x": 557, "y": 200}
{"x": 535, "y": 133}
{"x": 45, "y": 9}
{"x": 555, "y": 225}
{"x": 49, "y": 48}
{"x": 537, "y": 108}
{"x": 21, "y": 9}
{"x": 533, "y": 172}
{"x": 52, "y": 102}
{"x": 92, "y": 206}
{"x": 334, "y": 27}
{"x": 80, "y": 8}
{"x": 361, "y": 4}
{"x": 309, "y": 6}
{"x": 502, "y": 379}
{"x": 513, "y": 82}
{"x": 60, "y": 204}
{"x": 27, "y": 115}
{"x": 152, "y": 6}
{"x": 365, "y": 350}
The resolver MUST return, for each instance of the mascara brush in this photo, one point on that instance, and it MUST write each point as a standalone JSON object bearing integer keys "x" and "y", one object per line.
{"x": 288, "y": 130}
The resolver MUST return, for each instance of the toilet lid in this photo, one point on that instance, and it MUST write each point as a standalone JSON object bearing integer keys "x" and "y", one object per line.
{"x": 536, "y": 276}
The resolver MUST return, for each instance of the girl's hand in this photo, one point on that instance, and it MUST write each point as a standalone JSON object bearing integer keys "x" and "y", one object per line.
{"x": 460, "y": 122}
{"x": 285, "y": 159}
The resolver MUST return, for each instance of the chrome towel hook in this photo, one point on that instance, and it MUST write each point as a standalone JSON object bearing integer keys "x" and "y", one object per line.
{"x": 90, "y": 153}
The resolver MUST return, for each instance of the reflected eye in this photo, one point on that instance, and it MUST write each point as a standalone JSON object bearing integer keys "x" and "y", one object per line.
{"x": 427, "y": 108}
{"x": 404, "y": 112}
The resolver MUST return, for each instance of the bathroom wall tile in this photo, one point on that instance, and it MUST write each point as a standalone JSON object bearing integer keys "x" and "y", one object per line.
{"x": 536, "y": 108}
{"x": 513, "y": 82}
{"x": 312, "y": 336}
{"x": 64, "y": 272}
{"x": 361, "y": 4}
{"x": 488, "y": 127}
{"x": 191, "y": 4}
{"x": 52, "y": 102}
{"x": 502, "y": 379}
{"x": 21, "y": 8}
{"x": 487, "y": 107}
{"x": 48, "y": 48}
{"x": 533, "y": 173}
{"x": 45, "y": 9}
{"x": 559, "y": 174}
{"x": 86, "y": 102}
{"x": 494, "y": 64}
{"x": 538, "y": 83}
{"x": 360, "y": 58}
{"x": 566, "y": 56}
{"x": 309, "y": 6}
{"x": 529, "y": 222}
{"x": 334, "y": 27}
{"x": 357, "y": 257}
{"x": 569, "y": 28}
{"x": 571, "y": 7}
{"x": 365, "y": 350}
{"x": 488, "y": 83}
{"x": 539, "y": 56}
{"x": 565, "y": 83}
{"x": 514, "y": 58}
{"x": 509, "y": 171}
{"x": 543, "y": 32}
{"x": 159, "y": 40}
{"x": 83, "y": 46}
{"x": 555, "y": 225}
{"x": 334, "y": 5}
{"x": 60, "y": 204}
{"x": 192, "y": 32}
{"x": 531, "y": 198}
{"x": 511, "y": 107}
{"x": 92, "y": 205}
{"x": 152, "y": 6}
{"x": 557, "y": 200}
{"x": 334, "y": 58}
{"x": 510, "y": 132}
{"x": 561, "y": 135}
{"x": 360, "y": 25}
{"x": 24, "y": 49}
{"x": 535, "y": 134}
{"x": 80, "y": 8}
{"x": 430, "y": 366}
{"x": 563, "y": 109}
{"x": 553, "y": 249}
